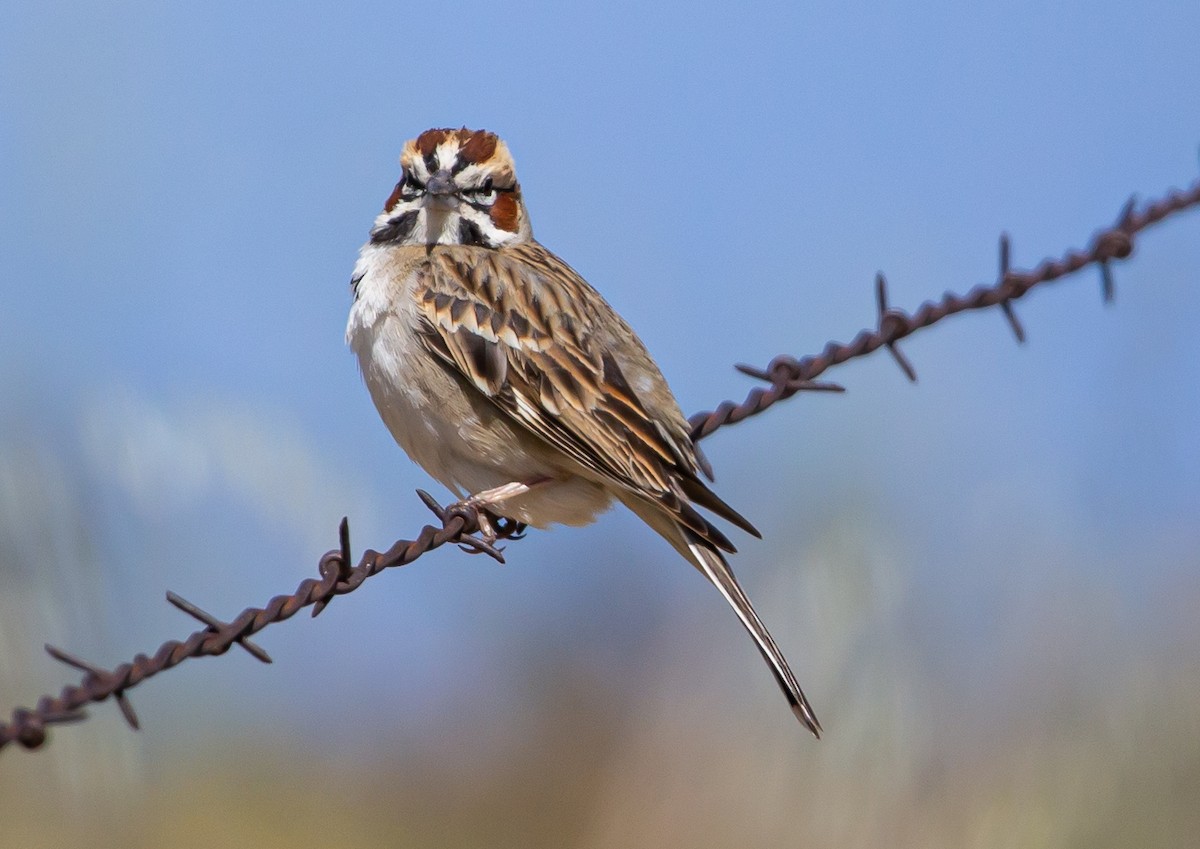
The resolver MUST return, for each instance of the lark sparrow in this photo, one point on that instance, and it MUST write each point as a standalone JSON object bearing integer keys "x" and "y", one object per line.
{"x": 507, "y": 377}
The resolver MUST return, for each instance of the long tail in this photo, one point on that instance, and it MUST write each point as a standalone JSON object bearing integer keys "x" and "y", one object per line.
{"x": 706, "y": 557}
{"x": 712, "y": 563}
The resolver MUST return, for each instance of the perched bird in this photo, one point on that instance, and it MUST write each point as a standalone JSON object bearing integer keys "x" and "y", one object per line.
{"x": 510, "y": 380}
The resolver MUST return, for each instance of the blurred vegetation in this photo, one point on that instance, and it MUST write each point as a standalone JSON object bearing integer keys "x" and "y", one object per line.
{"x": 683, "y": 742}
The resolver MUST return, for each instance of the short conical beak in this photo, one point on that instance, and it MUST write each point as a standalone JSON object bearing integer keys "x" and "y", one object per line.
{"x": 441, "y": 183}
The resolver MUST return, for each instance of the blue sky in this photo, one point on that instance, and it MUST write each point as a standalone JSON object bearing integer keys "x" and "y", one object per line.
{"x": 183, "y": 189}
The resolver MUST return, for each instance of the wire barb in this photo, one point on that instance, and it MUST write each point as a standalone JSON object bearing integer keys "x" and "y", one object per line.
{"x": 891, "y": 327}
{"x": 215, "y": 625}
{"x": 96, "y": 672}
{"x": 334, "y": 567}
{"x": 772, "y": 375}
{"x": 1006, "y": 305}
{"x": 1115, "y": 244}
{"x": 786, "y": 374}
{"x": 473, "y": 517}
{"x": 1107, "y": 287}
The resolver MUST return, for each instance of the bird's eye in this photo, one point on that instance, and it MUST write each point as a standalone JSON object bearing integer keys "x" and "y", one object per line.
{"x": 483, "y": 195}
{"x": 410, "y": 186}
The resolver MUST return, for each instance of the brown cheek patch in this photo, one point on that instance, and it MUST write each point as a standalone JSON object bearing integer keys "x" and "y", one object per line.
{"x": 504, "y": 213}
{"x": 428, "y": 141}
{"x": 393, "y": 198}
{"x": 479, "y": 147}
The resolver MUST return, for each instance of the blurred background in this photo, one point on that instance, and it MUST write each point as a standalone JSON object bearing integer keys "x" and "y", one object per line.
{"x": 986, "y": 582}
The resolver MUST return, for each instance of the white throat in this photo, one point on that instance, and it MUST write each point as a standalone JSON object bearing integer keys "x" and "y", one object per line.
{"x": 438, "y": 224}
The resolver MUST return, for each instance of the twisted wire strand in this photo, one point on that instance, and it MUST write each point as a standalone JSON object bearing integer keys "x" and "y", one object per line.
{"x": 786, "y": 375}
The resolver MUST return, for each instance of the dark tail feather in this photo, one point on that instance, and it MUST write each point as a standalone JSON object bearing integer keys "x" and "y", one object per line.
{"x": 713, "y": 565}
{"x": 695, "y": 489}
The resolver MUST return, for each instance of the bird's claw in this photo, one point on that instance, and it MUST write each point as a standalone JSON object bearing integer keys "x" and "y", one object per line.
{"x": 472, "y": 510}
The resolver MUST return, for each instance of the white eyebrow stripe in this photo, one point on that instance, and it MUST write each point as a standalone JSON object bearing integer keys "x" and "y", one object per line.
{"x": 420, "y": 170}
{"x": 470, "y": 174}
{"x": 447, "y": 152}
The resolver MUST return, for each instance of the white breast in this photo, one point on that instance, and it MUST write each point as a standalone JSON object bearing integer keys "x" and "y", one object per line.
{"x": 382, "y": 333}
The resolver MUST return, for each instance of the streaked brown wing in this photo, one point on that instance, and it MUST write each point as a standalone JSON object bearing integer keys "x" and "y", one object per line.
{"x": 529, "y": 333}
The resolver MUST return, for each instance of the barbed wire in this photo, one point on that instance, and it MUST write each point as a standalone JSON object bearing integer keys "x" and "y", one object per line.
{"x": 458, "y": 522}
{"x": 788, "y": 375}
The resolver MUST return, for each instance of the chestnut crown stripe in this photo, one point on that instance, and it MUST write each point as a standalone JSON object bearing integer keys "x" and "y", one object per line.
{"x": 474, "y": 147}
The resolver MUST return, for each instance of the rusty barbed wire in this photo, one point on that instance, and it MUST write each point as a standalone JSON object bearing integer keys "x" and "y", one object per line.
{"x": 28, "y": 727}
{"x": 787, "y": 376}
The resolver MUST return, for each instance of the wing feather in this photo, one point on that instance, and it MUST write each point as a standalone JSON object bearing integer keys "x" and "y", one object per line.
{"x": 523, "y": 328}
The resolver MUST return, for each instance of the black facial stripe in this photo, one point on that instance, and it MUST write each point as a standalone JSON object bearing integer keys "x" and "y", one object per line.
{"x": 459, "y": 164}
{"x": 431, "y": 161}
{"x": 470, "y": 234}
{"x": 396, "y": 229}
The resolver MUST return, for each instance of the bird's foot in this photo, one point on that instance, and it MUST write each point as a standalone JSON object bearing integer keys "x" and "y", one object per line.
{"x": 478, "y": 508}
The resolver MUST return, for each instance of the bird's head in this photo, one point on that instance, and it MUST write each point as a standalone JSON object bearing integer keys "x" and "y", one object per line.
{"x": 457, "y": 187}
